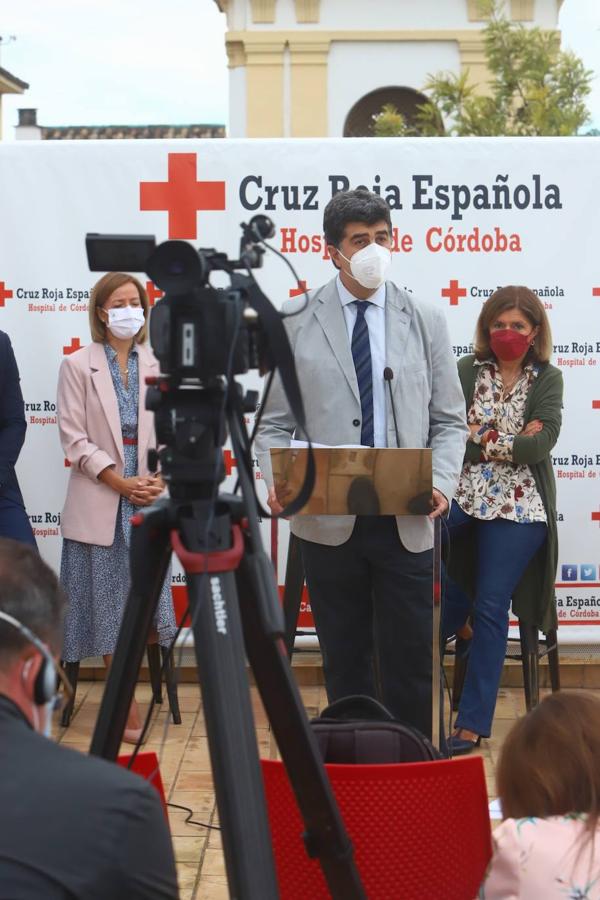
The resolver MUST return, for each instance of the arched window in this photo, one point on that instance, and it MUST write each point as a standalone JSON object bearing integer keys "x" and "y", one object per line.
{"x": 359, "y": 121}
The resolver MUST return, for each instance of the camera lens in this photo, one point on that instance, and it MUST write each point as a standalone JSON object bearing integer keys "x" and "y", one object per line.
{"x": 175, "y": 266}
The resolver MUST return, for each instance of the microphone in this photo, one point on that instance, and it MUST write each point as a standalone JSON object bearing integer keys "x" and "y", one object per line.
{"x": 388, "y": 375}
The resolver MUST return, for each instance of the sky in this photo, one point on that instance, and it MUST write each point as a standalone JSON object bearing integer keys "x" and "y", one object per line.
{"x": 141, "y": 62}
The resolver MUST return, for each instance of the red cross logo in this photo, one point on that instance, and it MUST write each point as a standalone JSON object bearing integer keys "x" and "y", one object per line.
{"x": 301, "y": 289}
{"x": 153, "y": 292}
{"x": 454, "y": 292}
{"x": 182, "y": 196}
{"x": 229, "y": 460}
{"x": 5, "y": 294}
{"x": 595, "y": 291}
{"x": 72, "y": 347}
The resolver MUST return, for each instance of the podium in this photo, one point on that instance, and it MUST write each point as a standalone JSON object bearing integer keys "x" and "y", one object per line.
{"x": 361, "y": 481}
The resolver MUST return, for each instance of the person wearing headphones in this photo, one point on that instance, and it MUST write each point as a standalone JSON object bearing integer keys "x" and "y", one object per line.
{"x": 72, "y": 826}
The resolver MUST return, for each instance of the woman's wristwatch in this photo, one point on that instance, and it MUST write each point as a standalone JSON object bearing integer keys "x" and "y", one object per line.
{"x": 477, "y": 435}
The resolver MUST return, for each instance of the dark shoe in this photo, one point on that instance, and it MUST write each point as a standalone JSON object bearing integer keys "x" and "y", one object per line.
{"x": 462, "y": 647}
{"x": 465, "y": 632}
{"x": 458, "y": 746}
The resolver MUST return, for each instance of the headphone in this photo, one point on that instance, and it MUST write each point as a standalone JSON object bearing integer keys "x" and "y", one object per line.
{"x": 44, "y": 688}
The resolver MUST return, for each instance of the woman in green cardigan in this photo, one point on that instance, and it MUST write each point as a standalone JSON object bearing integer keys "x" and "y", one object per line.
{"x": 502, "y": 522}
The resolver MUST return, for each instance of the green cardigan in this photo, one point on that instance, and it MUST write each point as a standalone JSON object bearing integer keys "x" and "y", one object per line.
{"x": 534, "y": 599}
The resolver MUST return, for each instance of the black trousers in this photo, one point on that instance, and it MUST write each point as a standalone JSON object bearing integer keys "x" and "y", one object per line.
{"x": 372, "y": 605}
{"x": 14, "y": 522}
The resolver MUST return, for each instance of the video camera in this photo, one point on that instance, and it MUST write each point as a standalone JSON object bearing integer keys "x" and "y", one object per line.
{"x": 202, "y": 336}
{"x": 196, "y": 331}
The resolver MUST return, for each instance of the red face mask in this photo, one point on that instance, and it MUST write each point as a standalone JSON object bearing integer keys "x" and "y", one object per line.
{"x": 509, "y": 345}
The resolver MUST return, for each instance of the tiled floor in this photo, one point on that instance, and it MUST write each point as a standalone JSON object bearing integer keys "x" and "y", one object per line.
{"x": 185, "y": 769}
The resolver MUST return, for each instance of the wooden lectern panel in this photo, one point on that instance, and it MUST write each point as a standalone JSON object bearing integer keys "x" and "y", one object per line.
{"x": 357, "y": 481}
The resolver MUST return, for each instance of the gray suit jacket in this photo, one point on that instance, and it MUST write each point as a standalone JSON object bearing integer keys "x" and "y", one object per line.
{"x": 429, "y": 403}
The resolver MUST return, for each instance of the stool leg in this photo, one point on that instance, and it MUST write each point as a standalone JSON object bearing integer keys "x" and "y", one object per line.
{"x": 530, "y": 660}
{"x": 71, "y": 670}
{"x": 154, "y": 666}
{"x": 524, "y": 637}
{"x": 535, "y": 667}
{"x": 458, "y": 678}
{"x": 553, "y": 661}
{"x": 171, "y": 683}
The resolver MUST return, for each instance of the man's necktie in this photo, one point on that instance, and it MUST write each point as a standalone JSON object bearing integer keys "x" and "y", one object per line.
{"x": 361, "y": 354}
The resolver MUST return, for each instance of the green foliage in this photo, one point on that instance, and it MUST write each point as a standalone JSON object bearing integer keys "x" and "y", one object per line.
{"x": 535, "y": 88}
{"x": 390, "y": 123}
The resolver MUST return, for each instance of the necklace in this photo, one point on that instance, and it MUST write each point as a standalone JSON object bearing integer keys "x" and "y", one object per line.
{"x": 507, "y": 388}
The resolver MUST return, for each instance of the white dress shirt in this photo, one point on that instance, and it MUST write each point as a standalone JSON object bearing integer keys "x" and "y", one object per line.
{"x": 375, "y": 319}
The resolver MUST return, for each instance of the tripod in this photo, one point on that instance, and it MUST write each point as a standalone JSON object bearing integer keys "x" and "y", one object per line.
{"x": 234, "y": 607}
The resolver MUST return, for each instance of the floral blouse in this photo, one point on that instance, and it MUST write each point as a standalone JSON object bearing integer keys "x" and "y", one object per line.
{"x": 496, "y": 487}
{"x": 543, "y": 859}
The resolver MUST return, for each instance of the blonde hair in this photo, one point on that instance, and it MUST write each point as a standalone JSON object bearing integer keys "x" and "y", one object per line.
{"x": 523, "y": 299}
{"x": 100, "y": 294}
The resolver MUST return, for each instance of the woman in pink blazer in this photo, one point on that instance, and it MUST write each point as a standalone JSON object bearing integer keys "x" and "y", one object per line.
{"x": 106, "y": 433}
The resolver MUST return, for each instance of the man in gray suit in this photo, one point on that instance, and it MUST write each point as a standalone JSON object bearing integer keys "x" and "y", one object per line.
{"x": 370, "y": 578}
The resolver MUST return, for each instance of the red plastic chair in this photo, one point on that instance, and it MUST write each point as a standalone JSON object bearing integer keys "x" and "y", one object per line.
{"x": 421, "y": 831}
{"x": 146, "y": 765}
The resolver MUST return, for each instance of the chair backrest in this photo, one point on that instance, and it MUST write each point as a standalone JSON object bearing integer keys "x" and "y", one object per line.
{"x": 419, "y": 830}
{"x": 146, "y": 764}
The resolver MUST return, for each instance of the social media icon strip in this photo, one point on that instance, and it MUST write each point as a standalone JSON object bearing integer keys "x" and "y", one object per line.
{"x": 588, "y": 572}
{"x": 569, "y": 572}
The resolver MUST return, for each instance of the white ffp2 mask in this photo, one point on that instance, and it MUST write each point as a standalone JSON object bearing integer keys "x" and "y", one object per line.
{"x": 370, "y": 265}
{"x": 125, "y": 321}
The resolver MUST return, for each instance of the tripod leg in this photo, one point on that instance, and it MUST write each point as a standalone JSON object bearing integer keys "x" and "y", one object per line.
{"x": 231, "y": 734}
{"x": 149, "y": 553}
{"x": 326, "y": 836}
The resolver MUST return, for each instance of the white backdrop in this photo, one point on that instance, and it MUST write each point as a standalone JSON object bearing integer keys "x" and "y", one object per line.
{"x": 471, "y": 215}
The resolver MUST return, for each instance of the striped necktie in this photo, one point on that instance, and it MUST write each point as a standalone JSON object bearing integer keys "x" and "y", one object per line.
{"x": 361, "y": 354}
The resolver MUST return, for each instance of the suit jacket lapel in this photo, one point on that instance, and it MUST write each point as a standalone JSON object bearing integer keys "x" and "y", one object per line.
{"x": 103, "y": 384}
{"x": 147, "y": 365}
{"x": 331, "y": 318}
{"x": 397, "y": 327}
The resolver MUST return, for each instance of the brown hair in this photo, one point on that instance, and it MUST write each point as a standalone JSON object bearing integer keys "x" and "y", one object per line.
{"x": 31, "y": 593}
{"x": 100, "y": 294}
{"x": 549, "y": 763}
{"x": 523, "y": 299}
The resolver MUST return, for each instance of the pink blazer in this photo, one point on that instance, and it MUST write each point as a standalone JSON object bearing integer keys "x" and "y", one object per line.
{"x": 543, "y": 859}
{"x": 90, "y": 433}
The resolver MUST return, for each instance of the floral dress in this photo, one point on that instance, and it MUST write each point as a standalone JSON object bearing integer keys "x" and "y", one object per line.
{"x": 544, "y": 859}
{"x": 96, "y": 579}
{"x": 496, "y": 487}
